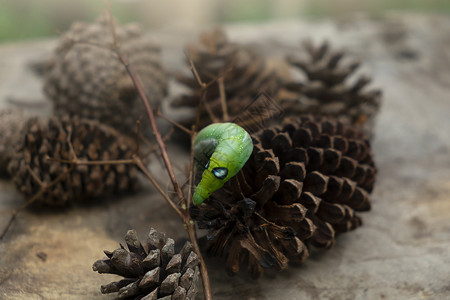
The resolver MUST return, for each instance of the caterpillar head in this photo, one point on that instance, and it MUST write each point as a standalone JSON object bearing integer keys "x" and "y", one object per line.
{"x": 225, "y": 147}
{"x": 213, "y": 178}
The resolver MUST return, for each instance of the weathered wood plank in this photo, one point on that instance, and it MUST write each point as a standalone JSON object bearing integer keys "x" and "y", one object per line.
{"x": 401, "y": 252}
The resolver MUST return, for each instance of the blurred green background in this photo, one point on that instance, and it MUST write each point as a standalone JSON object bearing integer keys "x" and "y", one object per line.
{"x": 24, "y": 19}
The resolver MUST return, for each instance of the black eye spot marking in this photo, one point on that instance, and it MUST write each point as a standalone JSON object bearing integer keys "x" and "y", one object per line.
{"x": 207, "y": 165}
{"x": 220, "y": 172}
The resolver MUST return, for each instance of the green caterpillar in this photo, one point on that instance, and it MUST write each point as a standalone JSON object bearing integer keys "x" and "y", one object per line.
{"x": 221, "y": 150}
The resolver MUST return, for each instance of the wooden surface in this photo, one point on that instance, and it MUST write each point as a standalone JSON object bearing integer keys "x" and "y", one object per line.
{"x": 401, "y": 252}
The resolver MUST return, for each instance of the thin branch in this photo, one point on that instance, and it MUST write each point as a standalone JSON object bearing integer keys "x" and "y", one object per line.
{"x": 185, "y": 183}
{"x": 35, "y": 177}
{"x": 223, "y": 99}
{"x": 134, "y": 161}
{"x": 211, "y": 115}
{"x": 159, "y": 188}
{"x": 180, "y": 168}
{"x": 74, "y": 42}
{"x": 195, "y": 72}
{"x": 16, "y": 212}
{"x": 199, "y": 107}
{"x": 203, "y": 87}
{"x": 111, "y": 24}
{"x": 203, "y": 269}
{"x": 91, "y": 162}
{"x": 194, "y": 129}
{"x": 174, "y": 123}
{"x": 158, "y": 157}
{"x": 192, "y": 173}
{"x": 189, "y": 224}
{"x": 43, "y": 189}
{"x": 138, "y": 137}
{"x": 69, "y": 142}
{"x": 151, "y": 117}
{"x": 154, "y": 148}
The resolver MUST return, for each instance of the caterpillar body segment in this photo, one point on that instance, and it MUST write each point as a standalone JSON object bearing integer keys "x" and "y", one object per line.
{"x": 221, "y": 150}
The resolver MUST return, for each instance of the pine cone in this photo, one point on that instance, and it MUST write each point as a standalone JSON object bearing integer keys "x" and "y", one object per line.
{"x": 11, "y": 123}
{"x": 301, "y": 186}
{"x": 86, "y": 78}
{"x": 327, "y": 90}
{"x": 246, "y": 74}
{"x": 152, "y": 270}
{"x": 91, "y": 141}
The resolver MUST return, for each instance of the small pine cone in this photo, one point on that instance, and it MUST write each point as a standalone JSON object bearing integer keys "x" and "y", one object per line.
{"x": 11, "y": 123}
{"x": 86, "y": 78}
{"x": 90, "y": 141}
{"x": 327, "y": 90}
{"x": 151, "y": 270}
{"x": 301, "y": 186}
{"x": 246, "y": 74}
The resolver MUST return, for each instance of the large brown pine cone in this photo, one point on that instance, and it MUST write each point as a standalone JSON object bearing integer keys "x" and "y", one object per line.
{"x": 11, "y": 123}
{"x": 327, "y": 89}
{"x": 301, "y": 186}
{"x": 91, "y": 141}
{"x": 152, "y": 270}
{"x": 246, "y": 74}
{"x": 86, "y": 78}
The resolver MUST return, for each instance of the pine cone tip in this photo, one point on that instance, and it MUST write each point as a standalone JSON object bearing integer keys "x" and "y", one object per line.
{"x": 152, "y": 269}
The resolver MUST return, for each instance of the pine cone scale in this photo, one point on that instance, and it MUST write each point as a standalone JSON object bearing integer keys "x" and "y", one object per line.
{"x": 91, "y": 82}
{"x": 245, "y": 74}
{"x": 90, "y": 141}
{"x": 327, "y": 91}
{"x": 152, "y": 270}
{"x": 305, "y": 187}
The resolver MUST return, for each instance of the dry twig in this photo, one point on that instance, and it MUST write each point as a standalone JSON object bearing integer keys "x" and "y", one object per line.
{"x": 43, "y": 189}
{"x": 185, "y": 202}
{"x": 183, "y": 211}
